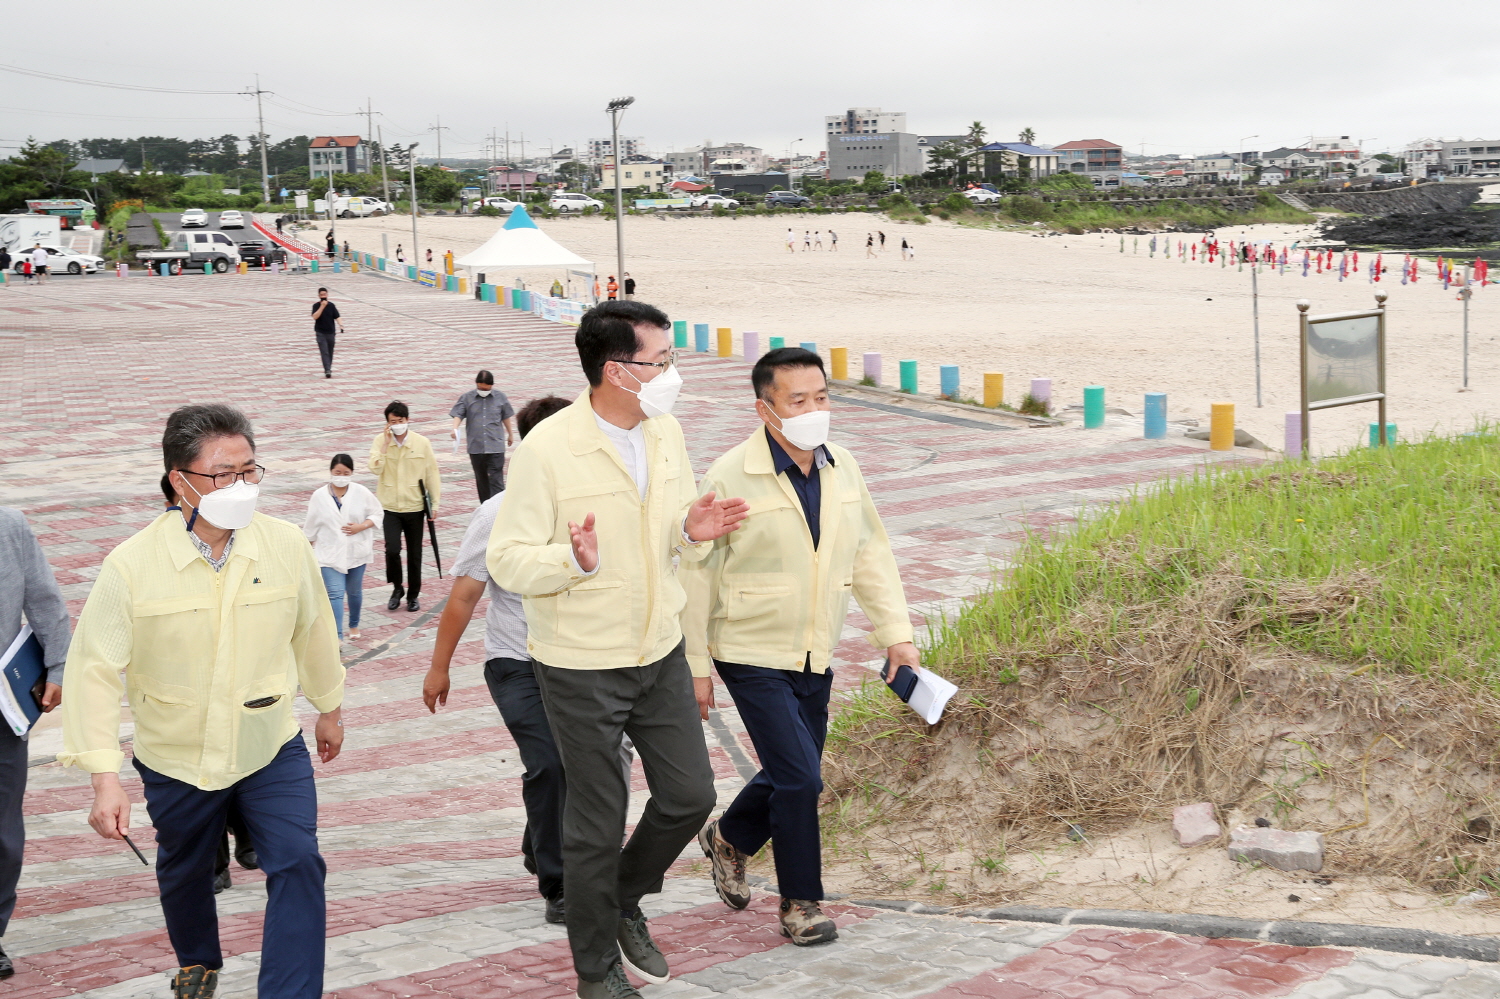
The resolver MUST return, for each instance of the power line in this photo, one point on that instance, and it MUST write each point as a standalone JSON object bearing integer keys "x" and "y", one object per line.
{"x": 59, "y": 78}
{"x": 130, "y": 117}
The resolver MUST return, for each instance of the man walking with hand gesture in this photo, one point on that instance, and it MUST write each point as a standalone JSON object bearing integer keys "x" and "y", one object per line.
{"x": 602, "y": 505}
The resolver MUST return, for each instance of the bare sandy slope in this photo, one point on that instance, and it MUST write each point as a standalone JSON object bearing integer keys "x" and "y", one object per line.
{"x": 1072, "y": 308}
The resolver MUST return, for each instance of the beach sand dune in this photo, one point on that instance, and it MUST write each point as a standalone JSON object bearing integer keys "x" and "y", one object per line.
{"x": 1072, "y": 308}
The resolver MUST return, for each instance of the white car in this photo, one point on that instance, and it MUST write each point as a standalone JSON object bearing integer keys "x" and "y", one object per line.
{"x": 504, "y": 204}
{"x": 194, "y": 217}
{"x": 570, "y": 201}
{"x": 714, "y": 201}
{"x": 231, "y": 220}
{"x": 59, "y": 260}
{"x": 360, "y": 207}
{"x": 980, "y": 196}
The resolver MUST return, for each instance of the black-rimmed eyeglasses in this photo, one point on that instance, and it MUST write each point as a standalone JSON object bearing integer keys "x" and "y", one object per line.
{"x": 671, "y": 361}
{"x": 223, "y": 480}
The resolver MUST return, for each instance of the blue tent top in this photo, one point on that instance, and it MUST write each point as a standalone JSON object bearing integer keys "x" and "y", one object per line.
{"x": 519, "y": 219}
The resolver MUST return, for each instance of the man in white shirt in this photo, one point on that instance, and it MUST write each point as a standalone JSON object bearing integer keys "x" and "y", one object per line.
{"x": 39, "y": 259}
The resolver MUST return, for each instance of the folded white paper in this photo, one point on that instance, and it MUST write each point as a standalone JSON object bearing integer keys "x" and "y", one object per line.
{"x": 931, "y": 695}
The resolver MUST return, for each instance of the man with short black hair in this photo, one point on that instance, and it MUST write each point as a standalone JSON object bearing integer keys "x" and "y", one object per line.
{"x": 408, "y": 489}
{"x": 600, "y": 509}
{"x": 769, "y": 609}
{"x": 325, "y": 315}
{"x": 216, "y": 615}
{"x": 491, "y": 428}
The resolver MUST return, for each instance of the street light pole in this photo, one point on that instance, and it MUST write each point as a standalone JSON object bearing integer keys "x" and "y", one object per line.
{"x": 411, "y": 162}
{"x": 615, "y": 107}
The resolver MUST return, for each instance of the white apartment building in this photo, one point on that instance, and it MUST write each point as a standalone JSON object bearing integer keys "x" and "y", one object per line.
{"x": 729, "y": 157}
{"x": 652, "y": 174}
{"x": 1424, "y": 158}
{"x": 601, "y": 149}
{"x": 1473, "y": 157}
{"x": 864, "y": 121}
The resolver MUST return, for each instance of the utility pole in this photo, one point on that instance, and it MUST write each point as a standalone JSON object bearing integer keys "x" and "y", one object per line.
{"x": 265, "y": 170}
{"x": 523, "y": 166}
{"x": 438, "y": 128}
{"x": 615, "y": 108}
{"x": 411, "y": 161}
{"x": 385, "y": 180}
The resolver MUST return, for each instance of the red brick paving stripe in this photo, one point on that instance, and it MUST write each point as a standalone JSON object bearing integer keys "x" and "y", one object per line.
{"x": 692, "y": 940}
{"x": 83, "y": 894}
{"x": 1116, "y": 964}
{"x": 71, "y": 970}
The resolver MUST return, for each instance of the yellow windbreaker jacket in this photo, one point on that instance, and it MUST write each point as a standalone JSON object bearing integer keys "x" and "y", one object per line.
{"x": 764, "y": 596}
{"x": 399, "y": 468}
{"x": 627, "y": 613}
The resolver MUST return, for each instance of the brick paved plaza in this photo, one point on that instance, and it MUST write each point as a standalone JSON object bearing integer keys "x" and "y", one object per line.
{"x": 421, "y": 815}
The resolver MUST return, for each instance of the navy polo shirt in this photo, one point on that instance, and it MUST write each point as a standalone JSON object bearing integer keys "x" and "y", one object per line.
{"x": 809, "y": 488}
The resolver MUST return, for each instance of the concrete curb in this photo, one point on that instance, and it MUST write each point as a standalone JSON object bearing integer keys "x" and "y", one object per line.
{"x": 1292, "y": 933}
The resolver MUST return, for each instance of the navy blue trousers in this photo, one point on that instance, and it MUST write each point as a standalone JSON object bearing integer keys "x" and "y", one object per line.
{"x": 786, "y": 714}
{"x": 279, "y": 808}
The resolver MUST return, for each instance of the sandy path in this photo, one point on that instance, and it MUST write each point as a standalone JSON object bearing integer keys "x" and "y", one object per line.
{"x": 1072, "y": 308}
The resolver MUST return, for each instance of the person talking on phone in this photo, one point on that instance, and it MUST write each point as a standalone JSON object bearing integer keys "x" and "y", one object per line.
{"x": 407, "y": 471}
{"x": 327, "y": 324}
{"x": 767, "y": 607}
{"x": 210, "y": 619}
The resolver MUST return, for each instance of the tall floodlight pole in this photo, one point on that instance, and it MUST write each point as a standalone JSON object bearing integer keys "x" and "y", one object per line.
{"x": 385, "y": 180}
{"x": 411, "y": 161}
{"x": 615, "y": 108}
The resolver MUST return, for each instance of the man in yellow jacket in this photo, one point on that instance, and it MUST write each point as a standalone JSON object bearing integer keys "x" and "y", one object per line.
{"x": 600, "y": 509}
{"x": 406, "y": 470}
{"x": 215, "y": 615}
{"x": 767, "y": 608}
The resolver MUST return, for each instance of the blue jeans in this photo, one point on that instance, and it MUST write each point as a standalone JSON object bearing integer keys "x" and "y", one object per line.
{"x": 279, "y": 808}
{"x": 349, "y": 584}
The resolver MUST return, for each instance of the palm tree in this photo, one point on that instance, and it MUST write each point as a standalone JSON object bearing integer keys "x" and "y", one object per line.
{"x": 1028, "y": 135}
{"x": 972, "y": 141}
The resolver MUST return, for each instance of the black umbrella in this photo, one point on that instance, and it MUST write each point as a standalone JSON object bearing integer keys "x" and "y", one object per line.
{"x": 431, "y": 527}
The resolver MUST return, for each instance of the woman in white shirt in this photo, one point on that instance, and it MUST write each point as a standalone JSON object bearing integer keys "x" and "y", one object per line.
{"x": 340, "y": 519}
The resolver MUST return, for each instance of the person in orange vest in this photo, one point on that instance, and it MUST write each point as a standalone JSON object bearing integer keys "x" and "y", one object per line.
{"x": 613, "y": 288}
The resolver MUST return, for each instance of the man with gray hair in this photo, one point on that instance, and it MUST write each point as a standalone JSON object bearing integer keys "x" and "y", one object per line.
{"x": 30, "y": 590}
{"x": 215, "y": 615}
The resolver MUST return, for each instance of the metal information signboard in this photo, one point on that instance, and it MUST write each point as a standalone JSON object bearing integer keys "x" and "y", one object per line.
{"x": 1343, "y": 362}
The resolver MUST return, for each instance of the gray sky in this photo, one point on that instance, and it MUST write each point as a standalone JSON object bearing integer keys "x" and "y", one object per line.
{"x": 1172, "y": 75}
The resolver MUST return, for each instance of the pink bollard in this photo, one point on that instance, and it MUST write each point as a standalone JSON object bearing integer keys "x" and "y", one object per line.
{"x": 752, "y": 346}
{"x": 1041, "y": 389}
{"x": 872, "y": 367}
{"x": 1293, "y": 441}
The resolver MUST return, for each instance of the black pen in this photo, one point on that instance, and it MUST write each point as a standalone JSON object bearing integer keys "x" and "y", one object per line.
{"x": 137, "y": 849}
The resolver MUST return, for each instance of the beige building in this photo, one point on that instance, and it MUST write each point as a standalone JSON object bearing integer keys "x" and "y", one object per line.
{"x": 652, "y": 175}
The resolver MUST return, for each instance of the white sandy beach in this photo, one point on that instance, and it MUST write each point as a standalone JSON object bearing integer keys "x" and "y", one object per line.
{"x": 1071, "y": 308}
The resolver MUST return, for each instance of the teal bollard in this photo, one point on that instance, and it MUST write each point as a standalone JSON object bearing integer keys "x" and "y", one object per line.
{"x": 948, "y": 380}
{"x": 208, "y": 268}
{"x": 338, "y": 266}
{"x": 777, "y": 342}
{"x": 1093, "y": 406}
{"x": 909, "y": 377}
{"x": 679, "y": 334}
{"x": 809, "y": 346}
{"x": 700, "y": 337}
{"x": 315, "y": 266}
{"x": 1156, "y": 416}
{"x": 1390, "y": 434}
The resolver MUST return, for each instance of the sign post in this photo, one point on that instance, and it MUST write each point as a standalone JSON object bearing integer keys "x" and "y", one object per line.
{"x": 1343, "y": 362}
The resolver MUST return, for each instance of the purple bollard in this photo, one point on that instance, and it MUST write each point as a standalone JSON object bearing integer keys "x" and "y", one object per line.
{"x": 1041, "y": 389}
{"x": 1293, "y": 440}
{"x": 752, "y": 346}
{"x": 872, "y": 367}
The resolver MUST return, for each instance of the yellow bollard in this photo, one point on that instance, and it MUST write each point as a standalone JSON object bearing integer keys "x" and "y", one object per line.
{"x": 354, "y": 266}
{"x": 726, "y": 341}
{"x": 244, "y": 268}
{"x": 839, "y": 358}
{"x": 994, "y": 389}
{"x": 463, "y": 285}
{"x": 1221, "y": 427}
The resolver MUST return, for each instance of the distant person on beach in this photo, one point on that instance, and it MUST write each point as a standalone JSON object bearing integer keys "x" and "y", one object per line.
{"x": 806, "y": 240}
{"x": 882, "y": 240}
{"x": 818, "y": 240}
{"x": 791, "y": 241}
{"x": 904, "y": 248}
{"x": 869, "y": 244}
{"x": 326, "y": 324}
{"x": 613, "y": 288}
{"x": 833, "y": 241}
{"x": 39, "y": 263}
{"x": 279, "y": 220}
{"x": 557, "y": 289}
{"x": 429, "y": 256}
{"x": 332, "y": 247}
{"x": 346, "y": 248}
{"x": 911, "y": 252}
{"x": 629, "y": 286}
{"x": 400, "y": 255}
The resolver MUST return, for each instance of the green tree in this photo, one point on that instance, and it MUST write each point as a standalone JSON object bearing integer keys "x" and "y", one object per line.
{"x": 874, "y": 182}
{"x": 436, "y": 184}
{"x": 972, "y": 141}
{"x": 1028, "y": 136}
{"x": 38, "y": 172}
{"x": 942, "y": 153}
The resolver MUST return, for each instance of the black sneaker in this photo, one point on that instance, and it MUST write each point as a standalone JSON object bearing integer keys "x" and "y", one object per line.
{"x": 196, "y": 982}
{"x": 222, "y": 881}
{"x": 728, "y": 865}
{"x": 639, "y": 951}
{"x": 614, "y": 986}
{"x": 6, "y": 968}
{"x": 556, "y": 913}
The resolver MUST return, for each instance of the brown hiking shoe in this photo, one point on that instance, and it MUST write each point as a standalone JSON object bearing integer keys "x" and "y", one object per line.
{"x": 196, "y": 982}
{"x": 804, "y": 922}
{"x": 728, "y": 866}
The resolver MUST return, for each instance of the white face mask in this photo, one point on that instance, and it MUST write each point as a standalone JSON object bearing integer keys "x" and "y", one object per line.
{"x": 228, "y": 509}
{"x": 340, "y": 480}
{"x": 807, "y": 431}
{"x": 659, "y": 395}
{"x": 483, "y": 393}
{"x": 399, "y": 429}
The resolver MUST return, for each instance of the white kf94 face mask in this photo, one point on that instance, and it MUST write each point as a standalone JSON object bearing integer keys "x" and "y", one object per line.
{"x": 807, "y": 430}
{"x": 399, "y": 429}
{"x": 228, "y": 509}
{"x": 659, "y": 395}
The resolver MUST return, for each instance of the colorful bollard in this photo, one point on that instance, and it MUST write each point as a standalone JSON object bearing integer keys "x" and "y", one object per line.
{"x": 679, "y": 334}
{"x": 994, "y": 389}
{"x": 1221, "y": 427}
{"x": 726, "y": 341}
{"x": 1156, "y": 416}
{"x": 872, "y": 367}
{"x": 752, "y": 345}
{"x": 838, "y": 360}
{"x": 777, "y": 342}
{"x": 909, "y": 377}
{"x": 700, "y": 337}
{"x": 808, "y": 345}
{"x": 948, "y": 380}
{"x": 1292, "y": 439}
{"x": 1041, "y": 389}
{"x": 1390, "y": 434}
{"x": 1093, "y": 406}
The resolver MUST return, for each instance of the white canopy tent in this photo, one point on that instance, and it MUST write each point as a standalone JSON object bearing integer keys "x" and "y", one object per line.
{"x": 520, "y": 245}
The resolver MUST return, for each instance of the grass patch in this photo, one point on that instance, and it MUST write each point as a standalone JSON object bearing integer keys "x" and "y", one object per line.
{"x": 1084, "y": 216}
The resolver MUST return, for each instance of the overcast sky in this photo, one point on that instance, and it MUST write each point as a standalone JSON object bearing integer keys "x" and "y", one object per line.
{"x": 1167, "y": 76}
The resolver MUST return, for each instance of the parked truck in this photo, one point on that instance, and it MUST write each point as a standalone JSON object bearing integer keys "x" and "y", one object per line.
{"x": 22, "y": 232}
{"x": 193, "y": 250}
